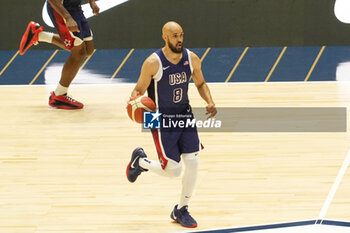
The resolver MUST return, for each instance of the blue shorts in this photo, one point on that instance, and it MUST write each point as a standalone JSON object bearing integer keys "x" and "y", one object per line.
{"x": 70, "y": 39}
{"x": 171, "y": 143}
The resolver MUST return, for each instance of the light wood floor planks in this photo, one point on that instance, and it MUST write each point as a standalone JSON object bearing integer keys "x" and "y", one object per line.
{"x": 64, "y": 171}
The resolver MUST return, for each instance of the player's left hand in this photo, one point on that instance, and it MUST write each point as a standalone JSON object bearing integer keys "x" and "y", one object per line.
{"x": 95, "y": 8}
{"x": 211, "y": 110}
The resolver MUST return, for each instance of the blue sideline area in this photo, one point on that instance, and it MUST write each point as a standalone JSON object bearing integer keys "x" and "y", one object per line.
{"x": 294, "y": 65}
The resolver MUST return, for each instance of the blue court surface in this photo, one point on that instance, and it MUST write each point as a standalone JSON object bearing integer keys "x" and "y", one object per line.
{"x": 253, "y": 64}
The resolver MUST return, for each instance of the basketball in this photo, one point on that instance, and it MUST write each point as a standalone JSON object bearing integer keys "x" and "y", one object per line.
{"x": 138, "y": 105}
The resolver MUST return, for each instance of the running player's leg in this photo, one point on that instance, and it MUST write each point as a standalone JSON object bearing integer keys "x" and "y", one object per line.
{"x": 87, "y": 35}
{"x": 189, "y": 146}
{"x": 139, "y": 163}
{"x": 72, "y": 65}
{"x": 32, "y": 37}
{"x": 168, "y": 154}
{"x": 51, "y": 38}
{"x": 56, "y": 40}
{"x": 59, "y": 97}
{"x": 75, "y": 44}
{"x": 80, "y": 44}
{"x": 90, "y": 47}
{"x": 172, "y": 169}
{"x": 166, "y": 142}
{"x": 35, "y": 33}
{"x": 58, "y": 21}
{"x": 189, "y": 178}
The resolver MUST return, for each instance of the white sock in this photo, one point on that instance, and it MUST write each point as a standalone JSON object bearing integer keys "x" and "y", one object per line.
{"x": 61, "y": 90}
{"x": 172, "y": 168}
{"x": 189, "y": 178}
{"x": 45, "y": 37}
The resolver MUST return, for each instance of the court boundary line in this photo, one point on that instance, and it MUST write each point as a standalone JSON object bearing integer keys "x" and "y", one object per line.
{"x": 334, "y": 188}
{"x": 9, "y": 62}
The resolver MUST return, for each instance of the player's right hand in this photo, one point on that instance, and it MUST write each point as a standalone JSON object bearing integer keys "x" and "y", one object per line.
{"x": 133, "y": 97}
{"x": 211, "y": 110}
{"x": 72, "y": 25}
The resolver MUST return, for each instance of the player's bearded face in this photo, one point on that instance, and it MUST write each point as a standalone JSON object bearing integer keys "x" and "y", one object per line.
{"x": 177, "y": 47}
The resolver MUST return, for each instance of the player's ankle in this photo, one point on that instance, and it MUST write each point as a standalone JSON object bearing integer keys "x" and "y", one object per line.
{"x": 61, "y": 90}
{"x": 45, "y": 37}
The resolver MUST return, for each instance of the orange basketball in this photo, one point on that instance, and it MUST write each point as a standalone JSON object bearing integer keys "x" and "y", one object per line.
{"x": 138, "y": 105}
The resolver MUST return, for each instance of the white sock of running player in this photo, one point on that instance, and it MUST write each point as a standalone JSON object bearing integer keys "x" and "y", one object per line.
{"x": 189, "y": 178}
{"x": 172, "y": 168}
{"x": 45, "y": 37}
{"x": 61, "y": 90}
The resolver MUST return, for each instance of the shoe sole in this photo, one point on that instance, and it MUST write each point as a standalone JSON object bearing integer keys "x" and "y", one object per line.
{"x": 172, "y": 216}
{"x": 64, "y": 107}
{"x": 25, "y": 37}
{"x": 193, "y": 226}
{"x": 127, "y": 173}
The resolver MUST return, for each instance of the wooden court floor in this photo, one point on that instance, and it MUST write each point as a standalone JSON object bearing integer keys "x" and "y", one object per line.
{"x": 64, "y": 171}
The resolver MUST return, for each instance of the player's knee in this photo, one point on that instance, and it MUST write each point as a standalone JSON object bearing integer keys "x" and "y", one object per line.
{"x": 79, "y": 52}
{"x": 89, "y": 50}
{"x": 173, "y": 169}
{"x": 190, "y": 160}
{"x": 89, "y": 53}
{"x": 83, "y": 52}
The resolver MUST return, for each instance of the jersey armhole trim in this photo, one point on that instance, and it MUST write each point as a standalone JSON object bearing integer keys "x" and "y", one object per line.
{"x": 159, "y": 73}
{"x": 190, "y": 59}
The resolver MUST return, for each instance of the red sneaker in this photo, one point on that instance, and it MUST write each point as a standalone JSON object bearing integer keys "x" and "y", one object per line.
{"x": 64, "y": 102}
{"x": 30, "y": 37}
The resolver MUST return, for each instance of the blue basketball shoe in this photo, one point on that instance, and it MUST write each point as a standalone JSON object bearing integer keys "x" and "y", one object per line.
{"x": 133, "y": 169}
{"x": 183, "y": 217}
